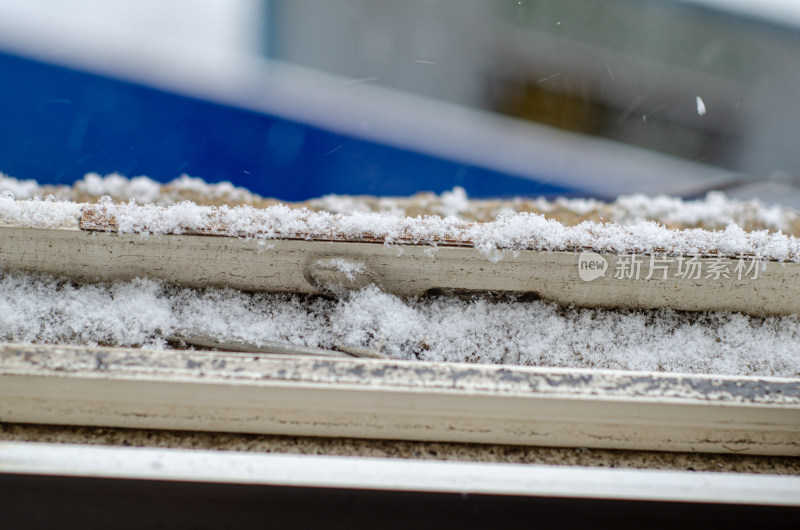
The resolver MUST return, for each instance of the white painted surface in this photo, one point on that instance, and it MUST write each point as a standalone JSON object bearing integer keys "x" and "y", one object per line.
{"x": 398, "y": 400}
{"x": 396, "y": 475}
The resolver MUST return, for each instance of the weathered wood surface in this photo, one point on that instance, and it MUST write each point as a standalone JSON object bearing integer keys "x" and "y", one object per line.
{"x": 358, "y": 398}
{"x": 313, "y": 266}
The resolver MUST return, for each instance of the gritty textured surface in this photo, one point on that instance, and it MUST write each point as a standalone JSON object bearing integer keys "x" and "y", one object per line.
{"x": 508, "y": 230}
{"x": 517, "y": 231}
{"x": 392, "y": 375}
{"x": 713, "y": 211}
{"x": 400, "y": 449}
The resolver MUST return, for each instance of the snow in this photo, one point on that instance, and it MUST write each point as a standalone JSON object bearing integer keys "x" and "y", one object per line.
{"x": 350, "y": 269}
{"x": 701, "y": 106}
{"x": 714, "y": 210}
{"x": 220, "y": 189}
{"x": 20, "y": 189}
{"x": 578, "y": 206}
{"x": 342, "y": 204}
{"x": 141, "y": 313}
{"x": 147, "y": 191}
{"x": 520, "y": 231}
{"x": 141, "y": 189}
{"x": 37, "y": 308}
{"x": 454, "y": 202}
{"x": 37, "y": 213}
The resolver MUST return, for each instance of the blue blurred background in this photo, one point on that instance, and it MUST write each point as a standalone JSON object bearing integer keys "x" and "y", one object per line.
{"x": 299, "y": 98}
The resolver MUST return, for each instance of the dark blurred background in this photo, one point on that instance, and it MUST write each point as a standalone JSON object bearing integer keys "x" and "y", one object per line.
{"x": 712, "y": 83}
{"x": 628, "y": 70}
